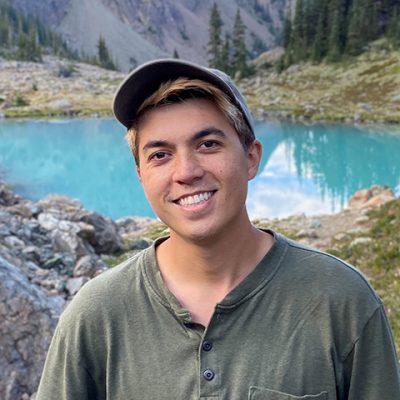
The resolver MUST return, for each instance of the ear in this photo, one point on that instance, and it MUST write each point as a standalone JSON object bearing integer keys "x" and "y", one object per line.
{"x": 138, "y": 173}
{"x": 254, "y": 153}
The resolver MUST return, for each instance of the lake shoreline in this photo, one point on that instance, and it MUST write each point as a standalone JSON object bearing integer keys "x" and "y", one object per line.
{"x": 263, "y": 117}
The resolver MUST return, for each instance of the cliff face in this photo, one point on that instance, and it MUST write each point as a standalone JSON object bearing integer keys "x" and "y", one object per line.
{"x": 139, "y": 30}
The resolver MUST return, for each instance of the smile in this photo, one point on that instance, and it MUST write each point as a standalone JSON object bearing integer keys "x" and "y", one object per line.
{"x": 195, "y": 199}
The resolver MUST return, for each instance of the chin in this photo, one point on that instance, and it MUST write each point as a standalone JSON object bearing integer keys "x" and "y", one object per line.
{"x": 201, "y": 235}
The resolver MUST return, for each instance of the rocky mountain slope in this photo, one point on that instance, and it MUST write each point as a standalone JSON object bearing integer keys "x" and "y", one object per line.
{"x": 136, "y": 31}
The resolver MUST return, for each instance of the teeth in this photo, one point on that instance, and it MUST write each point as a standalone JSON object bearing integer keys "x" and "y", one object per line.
{"x": 196, "y": 199}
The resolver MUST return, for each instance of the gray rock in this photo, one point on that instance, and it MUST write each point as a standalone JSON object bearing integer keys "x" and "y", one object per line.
{"x": 61, "y": 104}
{"x": 75, "y": 284}
{"x": 106, "y": 239}
{"x": 365, "y": 106}
{"x": 89, "y": 265}
{"x": 307, "y": 233}
{"x": 31, "y": 253}
{"x": 7, "y": 197}
{"x": 69, "y": 243}
{"x": 341, "y": 237}
{"x": 20, "y": 209}
{"x": 14, "y": 242}
{"x": 86, "y": 231}
{"x": 53, "y": 262}
{"x": 48, "y": 221}
{"x": 27, "y": 321}
{"x": 361, "y": 240}
{"x": 362, "y": 219}
{"x": 133, "y": 224}
{"x": 396, "y": 98}
{"x": 138, "y": 244}
{"x": 59, "y": 205}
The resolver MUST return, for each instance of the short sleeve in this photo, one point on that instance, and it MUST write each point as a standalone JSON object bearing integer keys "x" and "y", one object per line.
{"x": 65, "y": 376}
{"x": 371, "y": 369}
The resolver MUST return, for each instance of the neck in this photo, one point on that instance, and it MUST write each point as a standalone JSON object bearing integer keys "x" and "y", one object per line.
{"x": 201, "y": 273}
{"x": 219, "y": 262}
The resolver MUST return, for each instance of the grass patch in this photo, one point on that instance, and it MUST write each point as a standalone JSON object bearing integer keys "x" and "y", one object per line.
{"x": 380, "y": 260}
{"x": 113, "y": 261}
{"x": 270, "y": 225}
{"x": 155, "y": 231}
{"x": 20, "y": 101}
{"x": 51, "y": 113}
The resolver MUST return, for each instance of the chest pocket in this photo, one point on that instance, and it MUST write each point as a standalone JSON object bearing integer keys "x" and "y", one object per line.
{"x": 258, "y": 393}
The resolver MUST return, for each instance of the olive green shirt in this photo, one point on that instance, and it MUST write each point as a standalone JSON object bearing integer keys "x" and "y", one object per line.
{"x": 302, "y": 325}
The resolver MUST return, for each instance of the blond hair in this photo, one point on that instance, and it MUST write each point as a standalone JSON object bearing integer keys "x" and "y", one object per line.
{"x": 181, "y": 89}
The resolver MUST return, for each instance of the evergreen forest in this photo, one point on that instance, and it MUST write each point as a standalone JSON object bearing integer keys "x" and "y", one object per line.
{"x": 25, "y": 38}
{"x": 330, "y": 29}
{"x": 227, "y": 51}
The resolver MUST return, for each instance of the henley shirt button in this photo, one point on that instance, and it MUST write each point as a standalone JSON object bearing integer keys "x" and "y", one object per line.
{"x": 207, "y": 346}
{"x": 208, "y": 374}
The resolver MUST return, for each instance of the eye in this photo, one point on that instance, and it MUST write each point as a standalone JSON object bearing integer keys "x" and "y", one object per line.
{"x": 209, "y": 144}
{"x": 159, "y": 155}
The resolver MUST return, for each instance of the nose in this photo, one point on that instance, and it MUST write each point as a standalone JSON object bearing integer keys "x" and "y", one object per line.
{"x": 187, "y": 169}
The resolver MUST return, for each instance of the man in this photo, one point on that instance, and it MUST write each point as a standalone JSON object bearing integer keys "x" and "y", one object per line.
{"x": 219, "y": 309}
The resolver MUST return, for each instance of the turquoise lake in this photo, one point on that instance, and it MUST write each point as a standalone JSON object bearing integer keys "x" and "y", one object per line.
{"x": 308, "y": 169}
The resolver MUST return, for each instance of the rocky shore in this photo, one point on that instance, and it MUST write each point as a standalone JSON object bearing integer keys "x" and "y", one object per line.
{"x": 50, "y": 248}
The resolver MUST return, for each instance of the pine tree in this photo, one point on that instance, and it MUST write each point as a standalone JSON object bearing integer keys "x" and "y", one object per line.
{"x": 4, "y": 33}
{"x": 319, "y": 46}
{"x": 226, "y": 55}
{"x": 214, "y": 37}
{"x": 310, "y": 27}
{"x": 175, "y": 54}
{"x": 103, "y": 55}
{"x": 24, "y": 37}
{"x": 355, "y": 40}
{"x": 335, "y": 39}
{"x": 393, "y": 30}
{"x": 327, "y": 29}
{"x": 298, "y": 44}
{"x": 239, "y": 46}
{"x": 28, "y": 47}
{"x": 370, "y": 20}
{"x": 287, "y": 31}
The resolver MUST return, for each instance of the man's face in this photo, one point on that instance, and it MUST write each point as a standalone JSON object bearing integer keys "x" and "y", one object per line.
{"x": 194, "y": 169}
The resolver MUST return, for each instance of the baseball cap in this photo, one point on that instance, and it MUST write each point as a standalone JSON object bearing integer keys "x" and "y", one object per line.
{"x": 146, "y": 79}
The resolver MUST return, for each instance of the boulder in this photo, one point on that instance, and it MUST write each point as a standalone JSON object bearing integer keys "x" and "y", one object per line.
{"x": 89, "y": 265}
{"x": 75, "y": 284}
{"x": 7, "y": 197}
{"x": 106, "y": 239}
{"x": 136, "y": 225}
{"x": 137, "y": 243}
{"x": 60, "y": 206}
{"x": 60, "y": 104}
{"x": 373, "y": 197}
{"x": 27, "y": 322}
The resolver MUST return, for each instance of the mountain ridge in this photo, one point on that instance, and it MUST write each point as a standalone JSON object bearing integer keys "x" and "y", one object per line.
{"x": 136, "y": 31}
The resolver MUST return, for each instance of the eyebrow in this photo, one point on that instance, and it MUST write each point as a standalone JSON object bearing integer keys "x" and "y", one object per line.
{"x": 211, "y": 130}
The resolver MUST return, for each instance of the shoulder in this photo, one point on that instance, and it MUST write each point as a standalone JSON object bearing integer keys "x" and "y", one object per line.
{"x": 104, "y": 296}
{"x": 328, "y": 276}
{"x": 336, "y": 297}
